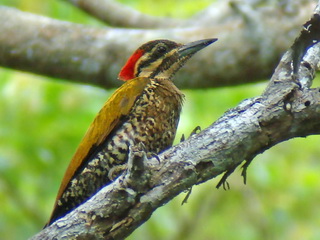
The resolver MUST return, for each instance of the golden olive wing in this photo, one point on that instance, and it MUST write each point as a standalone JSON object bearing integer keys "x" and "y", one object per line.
{"x": 119, "y": 104}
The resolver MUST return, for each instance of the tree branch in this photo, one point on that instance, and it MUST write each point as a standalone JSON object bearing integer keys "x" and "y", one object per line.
{"x": 284, "y": 111}
{"x": 116, "y": 14}
{"x": 248, "y": 46}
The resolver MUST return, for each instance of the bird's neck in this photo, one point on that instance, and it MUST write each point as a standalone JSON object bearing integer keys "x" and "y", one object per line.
{"x": 166, "y": 89}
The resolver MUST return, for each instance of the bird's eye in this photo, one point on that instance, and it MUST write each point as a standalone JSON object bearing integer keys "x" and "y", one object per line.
{"x": 161, "y": 49}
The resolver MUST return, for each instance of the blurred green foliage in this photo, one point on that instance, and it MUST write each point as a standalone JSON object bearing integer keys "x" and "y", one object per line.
{"x": 43, "y": 120}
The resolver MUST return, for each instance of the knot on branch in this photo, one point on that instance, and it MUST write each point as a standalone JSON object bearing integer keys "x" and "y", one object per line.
{"x": 137, "y": 174}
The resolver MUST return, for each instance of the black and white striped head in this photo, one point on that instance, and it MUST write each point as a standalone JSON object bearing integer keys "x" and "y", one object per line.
{"x": 160, "y": 59}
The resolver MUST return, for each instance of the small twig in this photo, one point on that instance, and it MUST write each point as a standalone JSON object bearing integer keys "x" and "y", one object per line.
{"x": 195, "y": 131}
{"x": 183, "y": 138}
{"x": 244, "y": 169}
{"x": 223, "y": 181}
{"x": 185, "y": 200}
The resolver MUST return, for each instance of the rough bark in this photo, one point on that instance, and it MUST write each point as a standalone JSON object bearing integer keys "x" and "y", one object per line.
{"x": 251, "y": 41}
{"x": 288, "y": 108}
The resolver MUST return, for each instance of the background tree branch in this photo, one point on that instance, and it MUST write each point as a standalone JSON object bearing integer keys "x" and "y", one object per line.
{"x": 95, "y": 55}
{"x": 116, "y": 14}
{"x": 288, "y": 108}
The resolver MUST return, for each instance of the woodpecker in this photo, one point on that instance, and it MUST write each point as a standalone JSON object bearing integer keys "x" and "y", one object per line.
{"x": 146, "y": 109}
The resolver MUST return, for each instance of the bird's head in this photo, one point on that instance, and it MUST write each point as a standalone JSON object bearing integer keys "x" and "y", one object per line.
{"x": 160, "y": 58}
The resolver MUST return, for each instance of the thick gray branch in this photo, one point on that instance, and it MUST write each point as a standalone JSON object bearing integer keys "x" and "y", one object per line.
{"x": 284, "y": 111}
{"x": 250, "y": 43}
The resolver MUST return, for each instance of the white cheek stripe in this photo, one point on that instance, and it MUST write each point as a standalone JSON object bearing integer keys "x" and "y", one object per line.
{"x": 147, "y": 71}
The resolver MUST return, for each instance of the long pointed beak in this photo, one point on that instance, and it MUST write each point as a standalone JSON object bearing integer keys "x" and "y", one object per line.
{"x": 193, "y": 47}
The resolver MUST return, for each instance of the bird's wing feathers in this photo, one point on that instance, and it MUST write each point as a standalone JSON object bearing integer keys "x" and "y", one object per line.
{"x": 119, "y": 104}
